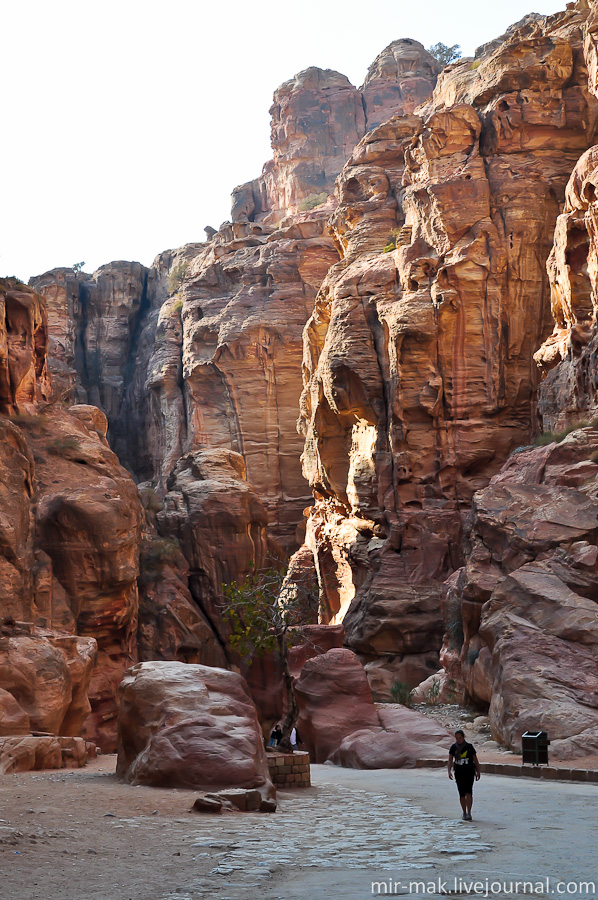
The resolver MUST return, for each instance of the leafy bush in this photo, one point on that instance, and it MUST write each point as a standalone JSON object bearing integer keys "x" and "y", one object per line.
{"x": 392, "y": 240}
{"x": 444, "y": 54}
{"x": 401, "y": 693}
{"x": 433, "y": 695}
{"x": 177, "y": 276}
{"x": 313, "y": 202}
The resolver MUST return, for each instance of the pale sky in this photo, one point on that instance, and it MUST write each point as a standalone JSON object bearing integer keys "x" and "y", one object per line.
{"x": 127, "y": 123}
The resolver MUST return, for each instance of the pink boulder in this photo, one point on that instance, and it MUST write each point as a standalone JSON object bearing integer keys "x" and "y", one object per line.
{"x": 334, "y": 701}
{"x": 189, "y": 726}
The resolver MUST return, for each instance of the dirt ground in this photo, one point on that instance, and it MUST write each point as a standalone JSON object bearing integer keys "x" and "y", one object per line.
{"x": 81, "y": 835}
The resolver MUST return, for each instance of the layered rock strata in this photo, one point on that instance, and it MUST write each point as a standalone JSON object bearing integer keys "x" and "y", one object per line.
{"x": 204, "y": 351}
{"x": 522, "y": 613}
{"x": 418, "y": 358}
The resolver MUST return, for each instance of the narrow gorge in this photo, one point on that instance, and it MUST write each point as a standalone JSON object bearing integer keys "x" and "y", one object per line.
{"x": 381, "y": 374}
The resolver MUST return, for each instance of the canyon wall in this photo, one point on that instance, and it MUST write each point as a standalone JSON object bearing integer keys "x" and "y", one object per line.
{"x": 521, "y": 614}
{"x": 418, "y": 359}
{"x": 409, "y": 223}
{"x": 203, "y": 351}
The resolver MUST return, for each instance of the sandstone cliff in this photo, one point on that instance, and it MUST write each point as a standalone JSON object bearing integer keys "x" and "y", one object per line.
{"x": 418, "y": 358}
{"x": 204, "y": 350}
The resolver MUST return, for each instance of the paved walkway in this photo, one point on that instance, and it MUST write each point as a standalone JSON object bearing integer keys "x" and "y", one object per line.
{"x": 355, "y": 834}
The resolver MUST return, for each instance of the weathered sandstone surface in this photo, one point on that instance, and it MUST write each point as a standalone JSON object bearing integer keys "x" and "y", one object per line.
{"x": 522, "y": 625}
{"x": 23, "y": 348}
{"x": 204, "y": 350}
{"x": 190, "y": 726}
{"x": 338, "y": 720}
{"x": 521, "y": 613}
{"x": 418, "y": 361}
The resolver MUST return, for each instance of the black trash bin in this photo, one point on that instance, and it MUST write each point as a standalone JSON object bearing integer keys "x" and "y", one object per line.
{"x": 534, "y": 748}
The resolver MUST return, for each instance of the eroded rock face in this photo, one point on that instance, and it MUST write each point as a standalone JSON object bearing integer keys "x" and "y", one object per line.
{"x": 418, "y": 361}
{"x": 568, "y": 356}
{"x": 24, "y": 379}
{"x": 94, "y": 322}
{"x": 222, "y": 528}
{"x": 399, "y": 79}
{"x": 521, "y": 614}
{"x": 339, "y": 722}
{"x": 69, "y": 559}
{"x": 48, "y": 676}
{"x": 190, "y": 726}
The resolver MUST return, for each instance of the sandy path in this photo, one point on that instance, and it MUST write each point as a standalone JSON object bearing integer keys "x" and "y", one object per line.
{"x": 80, "y": 835}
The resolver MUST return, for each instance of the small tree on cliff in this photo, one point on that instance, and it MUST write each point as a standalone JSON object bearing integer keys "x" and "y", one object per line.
{"x": 266, "y": 612}
{"x": 444, "y": 54}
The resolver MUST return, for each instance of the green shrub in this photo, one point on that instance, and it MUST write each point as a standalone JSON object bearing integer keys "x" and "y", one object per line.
{"x": 177, "y": 276}
{"x": 433, "y": 694}
{"x": 401, "y": 693}
{"x": 445, "y": 54}
{"x": 555, "y": 437}
{"x": 392, "y": 240}
{"x": 62, "y": 445}
{"x": 313, "y": 202}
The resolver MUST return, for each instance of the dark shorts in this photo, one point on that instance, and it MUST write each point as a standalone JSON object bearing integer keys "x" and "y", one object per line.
{"x": 464, "y": 781}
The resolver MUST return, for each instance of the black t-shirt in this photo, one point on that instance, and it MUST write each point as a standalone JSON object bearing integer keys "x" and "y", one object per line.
{"x": 463, "y": 755}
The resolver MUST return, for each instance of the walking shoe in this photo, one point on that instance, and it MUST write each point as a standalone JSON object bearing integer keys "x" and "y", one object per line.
{"x": 468, "y": 817}
{"x": 465, "y": 817}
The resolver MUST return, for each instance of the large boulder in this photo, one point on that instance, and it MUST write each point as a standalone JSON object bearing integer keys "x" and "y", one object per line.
{"x": 334, "y": 701}
{"x": 339, "y": 722}
{"x": 48, "y": 677}
{"x": 189, "y": 726}
{"x": 407, "y": 737}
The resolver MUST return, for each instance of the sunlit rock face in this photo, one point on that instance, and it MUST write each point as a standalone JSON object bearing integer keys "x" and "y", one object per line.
{"x": 418, "y": 361}
{"x": 24, "y": 379}
{"x": 520, "y": 615}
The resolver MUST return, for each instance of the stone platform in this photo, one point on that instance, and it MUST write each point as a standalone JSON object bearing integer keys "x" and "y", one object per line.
{"x": 289, "y": 770}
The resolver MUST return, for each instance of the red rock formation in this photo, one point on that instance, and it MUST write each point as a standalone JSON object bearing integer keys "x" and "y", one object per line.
{"x": 521, "y": 615}
{"x": 190, "y": 726}
{"x": 522, "y": 629}
{"x": 23, "y": 348}
{"x": 418, "y": 367}
{"x": 567, "y": 358}
{"x": 339, "y": 722}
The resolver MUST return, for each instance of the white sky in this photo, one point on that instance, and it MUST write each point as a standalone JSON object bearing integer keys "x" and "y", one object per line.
{"x": 127, "y": 123}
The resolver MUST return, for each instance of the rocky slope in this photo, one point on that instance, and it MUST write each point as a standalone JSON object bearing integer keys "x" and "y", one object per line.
{"x": 418, "y": 359}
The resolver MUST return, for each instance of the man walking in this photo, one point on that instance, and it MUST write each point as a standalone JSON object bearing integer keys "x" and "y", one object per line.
{"x": 464, "y": 761}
